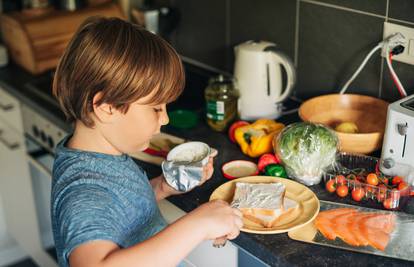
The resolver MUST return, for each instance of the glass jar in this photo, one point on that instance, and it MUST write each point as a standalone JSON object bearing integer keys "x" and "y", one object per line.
{"x": 221, "y": 102}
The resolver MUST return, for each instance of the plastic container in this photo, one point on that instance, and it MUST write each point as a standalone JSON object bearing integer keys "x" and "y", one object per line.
{"x": 388, "y": 198}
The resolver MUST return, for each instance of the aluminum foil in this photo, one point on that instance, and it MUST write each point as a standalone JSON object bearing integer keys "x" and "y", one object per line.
{"x": 264, "y": 196}
{"x": 185, "y": 175}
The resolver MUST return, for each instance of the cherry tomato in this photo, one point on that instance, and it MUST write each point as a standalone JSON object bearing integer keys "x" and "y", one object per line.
{"x": 382, "y": 188}
{"x": 331, "y": 186}
{"x": 233, "y": 128}
{"x": 358, "y": 193}
{"x": 267, "y": 159}
{"x": 342, "y": 190}
{"x": 396, "y": 180}
{"x": 388, "y": 204}
{"x": 360, "y": 178}
{"x": 403, "y": 188}
{"x": 351, "y": 176}
{"x": 382, "y": 193}
{"x": 372, "y": 179}
{"x": 340, "y": 179}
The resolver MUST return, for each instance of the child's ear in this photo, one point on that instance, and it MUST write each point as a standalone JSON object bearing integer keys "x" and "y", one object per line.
{"x": 104, "y": 112}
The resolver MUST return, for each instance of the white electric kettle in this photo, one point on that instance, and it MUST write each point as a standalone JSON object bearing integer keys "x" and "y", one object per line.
{"x": 258, "y": 77}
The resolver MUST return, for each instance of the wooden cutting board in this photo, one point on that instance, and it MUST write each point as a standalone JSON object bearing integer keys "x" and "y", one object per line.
{"x": 401, "y": 245}
{"x": 162, "y": 141}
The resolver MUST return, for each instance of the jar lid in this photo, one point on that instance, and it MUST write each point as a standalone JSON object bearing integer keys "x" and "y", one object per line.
{"x": 220, "y": 79}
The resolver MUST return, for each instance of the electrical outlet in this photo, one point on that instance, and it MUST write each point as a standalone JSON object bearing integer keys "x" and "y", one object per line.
{"x": 408, "y": 55}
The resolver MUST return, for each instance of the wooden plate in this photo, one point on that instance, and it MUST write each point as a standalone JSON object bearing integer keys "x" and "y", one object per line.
{"x": 307, "y": 210}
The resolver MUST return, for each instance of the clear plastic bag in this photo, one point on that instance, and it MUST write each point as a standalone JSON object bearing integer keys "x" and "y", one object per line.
{"x": 307, "y": 150}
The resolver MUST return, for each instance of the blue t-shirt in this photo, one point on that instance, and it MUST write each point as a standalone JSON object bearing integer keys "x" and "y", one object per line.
{"x": 97, "y": 196}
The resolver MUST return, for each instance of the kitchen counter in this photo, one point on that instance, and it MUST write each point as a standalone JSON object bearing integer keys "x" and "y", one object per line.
{"x": 275, "y": 250}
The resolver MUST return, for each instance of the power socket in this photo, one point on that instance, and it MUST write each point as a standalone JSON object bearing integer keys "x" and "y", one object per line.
{"x": 408, "y": 55}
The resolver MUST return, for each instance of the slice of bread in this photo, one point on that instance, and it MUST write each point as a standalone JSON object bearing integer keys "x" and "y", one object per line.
{"x": 262, "y": 203}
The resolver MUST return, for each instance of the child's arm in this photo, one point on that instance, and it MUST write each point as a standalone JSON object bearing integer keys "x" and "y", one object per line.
{"x": 168, "y": 247}
{"x": 163, "y": 190}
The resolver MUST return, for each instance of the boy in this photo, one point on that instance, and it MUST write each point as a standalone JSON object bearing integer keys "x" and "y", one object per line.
{"x": 114, "y": 81}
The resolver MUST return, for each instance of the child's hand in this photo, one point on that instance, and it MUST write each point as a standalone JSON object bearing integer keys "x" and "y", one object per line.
{"x": 218, "y": 219}
{"x": 208, "y": 170}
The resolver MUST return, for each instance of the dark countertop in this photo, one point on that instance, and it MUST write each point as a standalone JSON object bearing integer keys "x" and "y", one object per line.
{"x": 275, "y": 250}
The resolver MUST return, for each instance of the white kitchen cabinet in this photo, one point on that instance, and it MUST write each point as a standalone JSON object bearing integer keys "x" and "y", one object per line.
{"x": 16, "y": 191}
{"x": 204, "y": 255}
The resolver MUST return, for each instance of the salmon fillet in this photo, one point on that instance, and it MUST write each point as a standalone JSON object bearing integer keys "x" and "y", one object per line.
{"x": 324, "y": 223}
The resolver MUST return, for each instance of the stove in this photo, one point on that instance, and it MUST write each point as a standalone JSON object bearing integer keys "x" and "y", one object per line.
{"x": 35, "y": 125}
{"x": 41, "y": 86}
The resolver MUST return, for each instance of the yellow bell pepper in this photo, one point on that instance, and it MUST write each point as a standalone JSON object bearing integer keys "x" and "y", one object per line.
{"x": 256, "y": 139}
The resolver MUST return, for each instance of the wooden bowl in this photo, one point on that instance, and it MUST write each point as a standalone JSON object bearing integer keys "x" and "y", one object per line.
{"x": 368, "y": 113}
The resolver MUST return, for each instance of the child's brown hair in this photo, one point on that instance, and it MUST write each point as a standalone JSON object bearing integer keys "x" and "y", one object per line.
{"x": 122, "y": 61}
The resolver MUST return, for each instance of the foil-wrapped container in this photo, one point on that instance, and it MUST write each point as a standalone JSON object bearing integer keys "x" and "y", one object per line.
{"x": 183, "y": 168}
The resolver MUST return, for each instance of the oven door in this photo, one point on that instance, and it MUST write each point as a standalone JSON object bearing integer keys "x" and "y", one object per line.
{"x": 40, "y": 163}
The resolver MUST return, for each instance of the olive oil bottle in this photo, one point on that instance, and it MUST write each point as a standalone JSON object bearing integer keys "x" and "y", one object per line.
{"x": 221, "y": 102}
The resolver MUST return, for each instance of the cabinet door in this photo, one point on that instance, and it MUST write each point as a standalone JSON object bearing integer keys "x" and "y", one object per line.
{"x": 17, "y": 193}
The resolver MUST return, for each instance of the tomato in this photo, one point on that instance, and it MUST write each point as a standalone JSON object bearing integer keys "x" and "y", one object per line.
{"x": 370, "y": 190}
{"x": 382, "y": 188}
{"x": 351, "y": 176}
{"x": 233, "y": 128}
{"x": 331, "y": 186}
{"x": 342, "y": 190}
{"x": 358, "y": 193}
{"x": 340, "y": 179}
{"x": 372, "y": 179}
{"x": 396, "y": 180}
{"x": 267, "y": 159}
{"x": 403, "y": 188}
{"x": 388, "y": 204}
{"x": 382, "y": 193}
{"x": 360, "y": 178}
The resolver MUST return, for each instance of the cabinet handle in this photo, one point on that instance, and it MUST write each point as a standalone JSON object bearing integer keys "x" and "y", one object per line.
{"x": 6, "y": 107}
{"x": 9, "y": 145}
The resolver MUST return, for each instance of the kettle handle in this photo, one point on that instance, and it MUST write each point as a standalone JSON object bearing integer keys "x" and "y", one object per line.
{"x": 282, "y": 59}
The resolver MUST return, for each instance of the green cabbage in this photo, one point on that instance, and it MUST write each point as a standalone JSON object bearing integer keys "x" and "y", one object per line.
{"x": 307, "y": 150}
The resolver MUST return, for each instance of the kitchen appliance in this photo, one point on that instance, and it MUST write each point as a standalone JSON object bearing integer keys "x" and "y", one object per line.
{"x": 397, "y": 157}
{"x": 158, "y": 20}
{"x": 258, "y": 77}
{"x": 71, "y": 5}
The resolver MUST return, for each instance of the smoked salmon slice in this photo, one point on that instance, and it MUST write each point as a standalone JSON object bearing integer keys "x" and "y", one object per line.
{"x": 356, "y": 228}
{"x": 377, "y": 229}
{"x": 353, "y": 226}
{"x": 324, "y": 221}
{"x": 341, "y": 227}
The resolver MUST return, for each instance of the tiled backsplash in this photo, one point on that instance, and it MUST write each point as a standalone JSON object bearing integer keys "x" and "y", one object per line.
{"x": 327, "y": 39}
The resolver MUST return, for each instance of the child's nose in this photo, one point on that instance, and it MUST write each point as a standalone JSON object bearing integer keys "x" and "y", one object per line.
{"x": 164, "y": 119}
